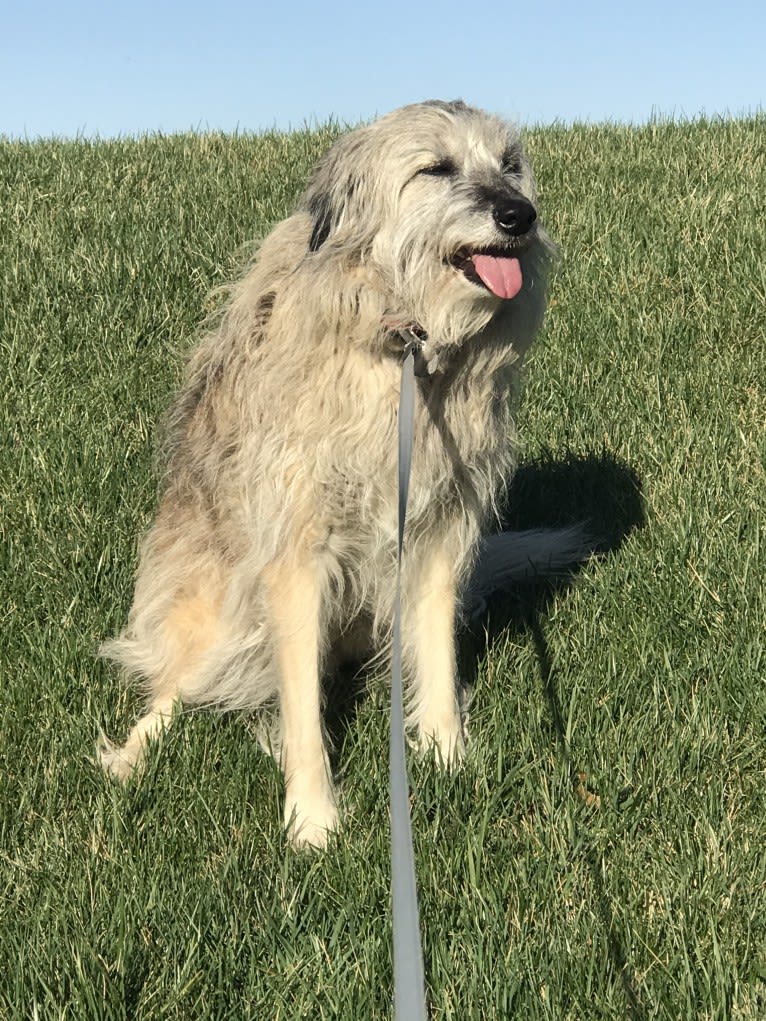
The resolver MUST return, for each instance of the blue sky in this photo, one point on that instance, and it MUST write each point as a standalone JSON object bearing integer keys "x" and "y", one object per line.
{"x": 102, "y": 68}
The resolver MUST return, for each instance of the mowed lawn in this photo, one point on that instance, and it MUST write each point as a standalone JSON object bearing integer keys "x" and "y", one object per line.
{"x": 602, "y": 853}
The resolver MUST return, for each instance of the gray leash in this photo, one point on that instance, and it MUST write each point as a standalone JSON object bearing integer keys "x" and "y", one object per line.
{"x": 409, "y": 985}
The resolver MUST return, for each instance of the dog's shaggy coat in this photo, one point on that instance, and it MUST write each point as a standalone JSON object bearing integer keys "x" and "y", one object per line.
{"x": 274, "y": 547}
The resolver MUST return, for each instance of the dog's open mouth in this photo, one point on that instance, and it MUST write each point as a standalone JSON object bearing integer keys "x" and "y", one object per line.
{"x": 496, "y": 270}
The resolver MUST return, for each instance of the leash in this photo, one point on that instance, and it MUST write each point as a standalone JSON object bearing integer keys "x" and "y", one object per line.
{"x": 409, "y": 984}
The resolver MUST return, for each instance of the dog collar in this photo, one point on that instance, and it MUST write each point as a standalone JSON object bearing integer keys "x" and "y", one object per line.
{"x": 415, "y": 337}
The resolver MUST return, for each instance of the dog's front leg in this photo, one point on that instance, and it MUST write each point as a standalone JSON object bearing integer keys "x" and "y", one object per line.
{"x": 294, "y": 594}
{"x": 430, "y": 630}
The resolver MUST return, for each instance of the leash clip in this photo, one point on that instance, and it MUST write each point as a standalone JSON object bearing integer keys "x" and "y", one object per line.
{"x": 415, "y": 344}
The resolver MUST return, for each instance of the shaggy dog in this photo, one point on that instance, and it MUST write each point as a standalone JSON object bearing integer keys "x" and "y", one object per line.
{"x": 274, "y": 547}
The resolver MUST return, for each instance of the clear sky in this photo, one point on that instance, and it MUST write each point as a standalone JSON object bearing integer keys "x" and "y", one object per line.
{"x": 95, "y": 67}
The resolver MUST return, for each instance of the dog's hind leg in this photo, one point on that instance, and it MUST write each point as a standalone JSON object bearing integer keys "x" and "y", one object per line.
{"x": 122, "y": 760}
{"x": 190, "y": 629}
{"x": 294, "y": 588}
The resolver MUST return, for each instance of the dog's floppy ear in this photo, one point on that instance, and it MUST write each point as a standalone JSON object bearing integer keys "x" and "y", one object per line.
{"x": 334, "y": 197}
{"x": 330, "y": 199}
{"x": 320, "y": 207}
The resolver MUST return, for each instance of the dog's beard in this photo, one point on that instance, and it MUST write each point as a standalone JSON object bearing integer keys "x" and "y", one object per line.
{"x": 453, "y": 300}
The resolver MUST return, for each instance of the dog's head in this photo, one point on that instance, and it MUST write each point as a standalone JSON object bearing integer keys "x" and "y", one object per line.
{"x": 438, "y": 200}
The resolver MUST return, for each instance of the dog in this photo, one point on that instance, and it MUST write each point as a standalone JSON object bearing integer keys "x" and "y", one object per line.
{"x": 273, "y": 551}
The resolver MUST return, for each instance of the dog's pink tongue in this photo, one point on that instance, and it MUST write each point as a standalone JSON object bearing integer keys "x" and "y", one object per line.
{"x": 501, "y": 275}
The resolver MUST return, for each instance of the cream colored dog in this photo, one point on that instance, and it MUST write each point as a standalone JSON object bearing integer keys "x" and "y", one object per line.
{"x": 274, "y": 546}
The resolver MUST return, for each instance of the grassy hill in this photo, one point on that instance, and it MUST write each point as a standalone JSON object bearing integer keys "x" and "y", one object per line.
{"x": 602, "y": 854}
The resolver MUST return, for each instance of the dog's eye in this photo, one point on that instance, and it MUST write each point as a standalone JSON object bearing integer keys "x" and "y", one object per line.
{"x": 444, "y": 168}
{"x": 511, "y": 164}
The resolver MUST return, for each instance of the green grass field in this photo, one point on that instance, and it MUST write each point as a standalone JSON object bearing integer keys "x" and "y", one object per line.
{"x": 602, "y": 854}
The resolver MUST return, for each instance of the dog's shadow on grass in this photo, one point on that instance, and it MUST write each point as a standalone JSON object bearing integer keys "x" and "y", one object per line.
{"x": 597, "y": 491}
{"x": 603, "y": 495}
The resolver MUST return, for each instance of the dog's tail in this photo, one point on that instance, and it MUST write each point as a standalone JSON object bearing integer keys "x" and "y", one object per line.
{"x": 512, "y": 558}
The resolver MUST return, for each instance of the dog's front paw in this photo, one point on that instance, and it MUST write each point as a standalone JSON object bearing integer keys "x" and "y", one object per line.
{"x": 445, "y": 740}
{"x": 309, "y": 820}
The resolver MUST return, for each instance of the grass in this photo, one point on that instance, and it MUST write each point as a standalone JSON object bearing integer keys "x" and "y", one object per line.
{"x": 602, "y": 854}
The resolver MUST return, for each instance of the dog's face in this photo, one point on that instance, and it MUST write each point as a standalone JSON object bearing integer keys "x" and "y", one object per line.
{"x": 439, "y": 199}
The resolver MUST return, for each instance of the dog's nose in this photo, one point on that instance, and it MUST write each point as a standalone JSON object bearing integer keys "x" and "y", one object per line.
{"x": 514, "y": 216}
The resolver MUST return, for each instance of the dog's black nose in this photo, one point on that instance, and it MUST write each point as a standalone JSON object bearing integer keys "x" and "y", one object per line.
{"x": 514, "y": 216}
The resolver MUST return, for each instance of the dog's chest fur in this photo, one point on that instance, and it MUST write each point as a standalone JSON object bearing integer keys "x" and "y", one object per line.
{"x": 462, "y": 446}
{"x": 319, "y": 439}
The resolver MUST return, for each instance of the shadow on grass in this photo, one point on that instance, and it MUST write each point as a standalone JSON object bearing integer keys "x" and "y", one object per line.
{"x": 597, "y": 492}
{"x": 605, "y": 495}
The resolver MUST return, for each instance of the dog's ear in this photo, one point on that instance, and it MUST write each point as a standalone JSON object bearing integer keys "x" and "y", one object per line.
{"x": 331, "y": 201}
{"x": 320, "y": 208}
{"x": 338, "y": 199}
